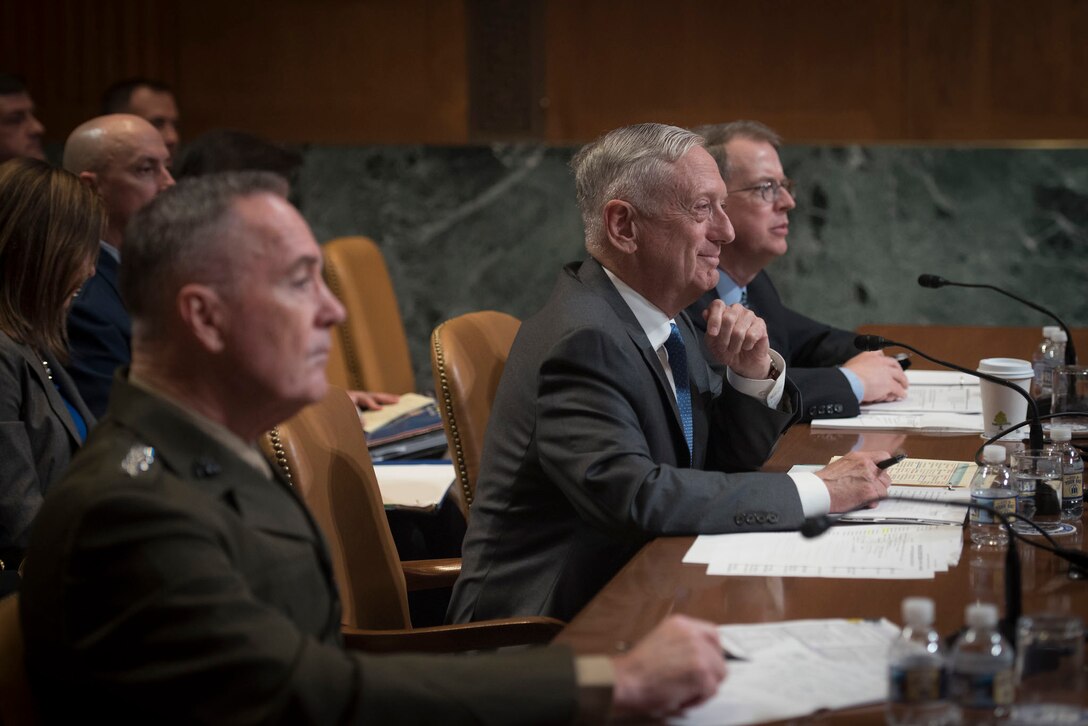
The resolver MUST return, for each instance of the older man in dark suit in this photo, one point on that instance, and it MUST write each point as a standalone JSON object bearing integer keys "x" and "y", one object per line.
{"x": 609, "y": 427}
{"x": 174, "y": 577}
{"x": 833, "y": 376}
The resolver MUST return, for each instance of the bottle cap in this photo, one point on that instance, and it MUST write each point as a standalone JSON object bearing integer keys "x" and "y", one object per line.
{"x": 1059, "y": 336}
{"x": 918, "y": 611}
{"x": 995, "y": 453}
{"x": 981, "y": 615}
{"x": 1048, "y": 330}
{"x": 1061, "y": 433}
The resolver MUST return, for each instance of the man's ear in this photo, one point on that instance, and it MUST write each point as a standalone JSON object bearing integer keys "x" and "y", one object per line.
{"x": 202, "y": 311}
{"x": 620, "y": 226}
{"x": 90, "y": 179}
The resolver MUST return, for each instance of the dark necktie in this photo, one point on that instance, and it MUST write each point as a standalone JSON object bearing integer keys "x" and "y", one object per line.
{"x": 678, "y": 362}
{"x": 744, "y": 296}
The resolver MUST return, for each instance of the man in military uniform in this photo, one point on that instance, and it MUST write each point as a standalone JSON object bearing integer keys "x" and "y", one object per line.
{"x": 174, "y": 577}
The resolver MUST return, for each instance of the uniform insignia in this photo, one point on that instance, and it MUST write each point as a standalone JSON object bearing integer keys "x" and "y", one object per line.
{"x": 138, "y": 460}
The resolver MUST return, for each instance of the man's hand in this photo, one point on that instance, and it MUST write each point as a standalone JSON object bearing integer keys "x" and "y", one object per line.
{"x": 737, "y": 338}
{"x": 679, "y": 664}
{"x": 371, "y": 400}
{"x": 881, "y": 375}
{"x": 855, "y": 479}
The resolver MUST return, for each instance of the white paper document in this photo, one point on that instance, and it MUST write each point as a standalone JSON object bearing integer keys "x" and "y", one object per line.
{"x": 414, "y": 486}
{"x": 930, "y": 507}
{"x": 923, "y": 399}
{"x": 795, "y": 668}
{"x": 940, "y": 378}
{"x": 877, "y": 551}
{"x": 937, "y": 422}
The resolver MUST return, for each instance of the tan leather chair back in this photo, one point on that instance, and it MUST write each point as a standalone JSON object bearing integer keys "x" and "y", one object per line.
{"x": 322, "y": 450}
{"x": 468, "y": 355}
{"x": 16, "y": 703}
{"x": 369, "y": 349}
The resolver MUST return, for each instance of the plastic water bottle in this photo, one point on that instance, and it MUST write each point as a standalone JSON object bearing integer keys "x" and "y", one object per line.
{"x": 1072, "y": 472}
{"x": 917, "y": 670}
{"x": 981, "y": 666}
{"x": 1048, "y": 355}
{"x": 992, "y": 486}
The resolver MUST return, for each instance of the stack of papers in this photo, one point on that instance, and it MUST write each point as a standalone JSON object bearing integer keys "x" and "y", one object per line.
{"x": 938, "y": 401}
{"x": 414, "y": 485}
{"x": 409, "y": 428}
{"x": 877, "y": 551}
{"x": 795, "y": 668}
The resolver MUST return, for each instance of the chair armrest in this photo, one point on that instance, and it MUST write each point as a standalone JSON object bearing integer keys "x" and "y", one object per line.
{"x": 484, "y": 635}
{"x": 430, "y": 574}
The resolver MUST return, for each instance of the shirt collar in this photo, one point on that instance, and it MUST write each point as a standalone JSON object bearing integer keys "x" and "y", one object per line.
{"x": 654, "y": 323}
{"x": 729, "y": 291}
{"x": 110, "y": 250}
{"x": 231, "y": 441}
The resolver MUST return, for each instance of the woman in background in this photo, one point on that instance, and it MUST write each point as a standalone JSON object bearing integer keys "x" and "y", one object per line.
{"x": 50, "y": 224}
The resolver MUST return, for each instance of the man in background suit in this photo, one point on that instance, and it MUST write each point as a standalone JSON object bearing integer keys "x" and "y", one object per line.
{"x": 174, "y": 576}
{"x": 124, "y": 159}
{"x": 609, "y": 427}
{"x": 151, "y": 100}
{"x": 834, "y": 377}
{"x": 20, "y": 130}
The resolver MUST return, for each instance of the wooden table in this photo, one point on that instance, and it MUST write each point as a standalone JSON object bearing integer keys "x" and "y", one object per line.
{"x": 656, "y": 583}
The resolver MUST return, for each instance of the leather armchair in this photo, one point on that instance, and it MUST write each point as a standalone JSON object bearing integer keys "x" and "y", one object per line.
{"x": 322, "y": 451}
{"x": 369, "y": 349}
{"x": 468, "y": 355}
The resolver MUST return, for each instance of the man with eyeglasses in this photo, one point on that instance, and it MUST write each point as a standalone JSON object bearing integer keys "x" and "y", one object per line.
{"x": 833, "y": 376}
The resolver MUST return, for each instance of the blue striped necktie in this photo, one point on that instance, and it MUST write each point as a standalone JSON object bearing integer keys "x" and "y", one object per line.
{"x": 678, "y": 362}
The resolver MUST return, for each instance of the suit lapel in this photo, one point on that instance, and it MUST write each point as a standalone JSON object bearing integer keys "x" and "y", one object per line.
{"x": 593, "y": 276}
{"x": 52, "y": 396}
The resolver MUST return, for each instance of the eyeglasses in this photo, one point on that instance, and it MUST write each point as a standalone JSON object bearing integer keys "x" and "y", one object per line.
{"x": 769, "y": 189}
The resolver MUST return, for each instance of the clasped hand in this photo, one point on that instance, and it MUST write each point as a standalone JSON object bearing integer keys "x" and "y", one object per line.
{"x": 737, "y": 338}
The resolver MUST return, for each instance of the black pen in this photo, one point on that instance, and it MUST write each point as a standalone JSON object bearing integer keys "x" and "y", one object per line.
{"x": 887, "y": 463}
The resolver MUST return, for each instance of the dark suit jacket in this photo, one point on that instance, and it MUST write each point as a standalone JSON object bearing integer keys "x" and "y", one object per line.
{"x": 585, "y": 460}
{"x": 170, "y": 582}
{"x": 37, "y": 439}
{"x": 99, "y": 335}
{"x": 812, "y": 350}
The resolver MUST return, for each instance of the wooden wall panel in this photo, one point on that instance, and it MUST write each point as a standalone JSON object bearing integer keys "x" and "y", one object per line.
{"x": 327, "y": 71}
{"x": 411, "y": 71}
{"x": 811, "y": 69}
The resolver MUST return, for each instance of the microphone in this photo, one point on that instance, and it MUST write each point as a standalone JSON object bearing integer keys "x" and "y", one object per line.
{"x": 935, "y": 281}
{"x": 1035, "y": 430}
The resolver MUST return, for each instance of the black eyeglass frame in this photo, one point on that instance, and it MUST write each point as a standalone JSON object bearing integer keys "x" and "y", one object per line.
{"x": 769, "y": 189}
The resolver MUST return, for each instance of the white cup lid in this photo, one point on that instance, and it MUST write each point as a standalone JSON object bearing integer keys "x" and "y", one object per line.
{"x": 1006, "y": 367}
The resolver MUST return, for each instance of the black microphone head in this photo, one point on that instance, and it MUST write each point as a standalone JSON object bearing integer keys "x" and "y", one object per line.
{"x": 815, "y": 526}
{"x": 932, "y": 281}
{"x": 870, "y": 342}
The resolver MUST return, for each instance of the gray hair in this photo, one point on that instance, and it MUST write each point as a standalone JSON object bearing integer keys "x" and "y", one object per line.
{"x": 718, "y": 135}
{"x": 632, "y": 163}
{"x": 183, "y": 236}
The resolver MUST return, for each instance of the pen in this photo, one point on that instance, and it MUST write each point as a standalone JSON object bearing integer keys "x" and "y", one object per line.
{"x": 890, "y": 462}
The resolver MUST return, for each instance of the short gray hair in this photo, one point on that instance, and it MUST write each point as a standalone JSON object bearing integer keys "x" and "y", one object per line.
{"x": 630, "y": 163}
{"x": 181, "y": 237}
{"x": 718, "y": 135}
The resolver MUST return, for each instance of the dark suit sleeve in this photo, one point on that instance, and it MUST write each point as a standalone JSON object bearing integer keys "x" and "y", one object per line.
{"x": 99, "y": 338}
{"x": 20, "y": 489}
{"x": 604, "y": 441}
{"x": 178, "y": 635}
{"x": 813, "y": 352}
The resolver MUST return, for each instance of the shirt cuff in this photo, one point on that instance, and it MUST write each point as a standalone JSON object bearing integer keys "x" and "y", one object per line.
{"x": 855, "y": 383}
{"x": 815, "y": 499}
{"x": 596, "y": 681}
{"x": 767, "y": 390}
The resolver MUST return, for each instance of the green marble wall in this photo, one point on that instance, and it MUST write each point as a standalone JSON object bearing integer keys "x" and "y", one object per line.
{"x": 489, "y": 228}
